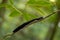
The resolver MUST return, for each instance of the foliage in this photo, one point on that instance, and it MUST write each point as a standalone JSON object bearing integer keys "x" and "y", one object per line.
{"x": 20, "y": 11}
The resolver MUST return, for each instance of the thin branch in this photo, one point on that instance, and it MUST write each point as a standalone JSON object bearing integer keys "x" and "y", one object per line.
{"x": 30, "y": 22}
{"x": 57, "y": 20}
{"x": 52, "y": 31}
{"x": 9, "y": 36}
{"x": 55, "y": 26}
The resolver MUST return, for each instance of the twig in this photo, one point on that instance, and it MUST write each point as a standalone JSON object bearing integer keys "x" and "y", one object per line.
{"x": 55, "y": 26}
{"x": 30, "y": 22}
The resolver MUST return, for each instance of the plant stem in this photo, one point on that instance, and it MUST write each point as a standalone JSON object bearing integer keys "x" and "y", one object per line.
{"x": 57, "y": 20}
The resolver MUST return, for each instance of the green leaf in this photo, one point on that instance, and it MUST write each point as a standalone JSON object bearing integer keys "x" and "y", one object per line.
{"x": 46, "y": 5}
{"x": 27, "y": 16}
{"x": 14, "y": 13}
{"x": 39, "y": 3}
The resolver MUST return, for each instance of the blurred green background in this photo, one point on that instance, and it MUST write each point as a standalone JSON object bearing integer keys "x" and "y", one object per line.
{"x": 15, "y": 12}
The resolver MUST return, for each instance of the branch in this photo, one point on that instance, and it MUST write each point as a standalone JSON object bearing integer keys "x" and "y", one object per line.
{"x": 58, "y": 19}
{"x": 30, "y": 22}
{"x": 52, "y": 31}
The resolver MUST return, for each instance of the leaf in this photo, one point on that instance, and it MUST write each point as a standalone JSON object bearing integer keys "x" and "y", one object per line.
{"x": 46, "y": 5}
{"x": 14, "y": 13}
{"x": 14, "y": 10}
{"x": 39, "y": 3}
{"x": 27, "y": 16}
